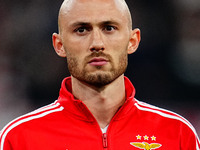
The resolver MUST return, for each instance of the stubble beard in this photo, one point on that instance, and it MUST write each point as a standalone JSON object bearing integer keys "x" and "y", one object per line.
{"x": 98, "y": 78}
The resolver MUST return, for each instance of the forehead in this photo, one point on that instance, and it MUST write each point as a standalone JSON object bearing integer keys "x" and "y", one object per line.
{"x": 92, "y": 11}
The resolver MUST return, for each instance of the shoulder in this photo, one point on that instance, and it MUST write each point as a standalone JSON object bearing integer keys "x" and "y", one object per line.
{"x": 169, "y": 123}
{"x": 165, "y": 115}
{"x": 37, "y": 115}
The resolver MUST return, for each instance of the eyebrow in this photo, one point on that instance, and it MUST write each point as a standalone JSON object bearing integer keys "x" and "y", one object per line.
{"x": 110, "y": 22}
{"x": 88, "y": 23}
{"x": 80, "y": 24}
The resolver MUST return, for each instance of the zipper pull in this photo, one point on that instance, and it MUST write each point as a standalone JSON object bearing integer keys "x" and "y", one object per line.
{"x": 105, "y": 140}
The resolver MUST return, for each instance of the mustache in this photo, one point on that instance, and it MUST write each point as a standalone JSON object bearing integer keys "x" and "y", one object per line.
{"x": 98, "y": 54}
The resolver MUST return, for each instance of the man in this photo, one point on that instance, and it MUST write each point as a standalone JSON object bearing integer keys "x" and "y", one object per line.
{"x": 96, "y": 108}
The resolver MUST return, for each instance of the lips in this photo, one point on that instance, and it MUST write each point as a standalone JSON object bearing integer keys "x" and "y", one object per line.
{"x": 98, "y": 61}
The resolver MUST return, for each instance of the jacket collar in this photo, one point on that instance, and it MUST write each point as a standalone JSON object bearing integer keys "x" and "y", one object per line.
{"x": 79, "y": 109}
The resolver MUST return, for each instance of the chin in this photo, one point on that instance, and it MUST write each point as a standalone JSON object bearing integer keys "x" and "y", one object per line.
{"x": 101, "y": 79}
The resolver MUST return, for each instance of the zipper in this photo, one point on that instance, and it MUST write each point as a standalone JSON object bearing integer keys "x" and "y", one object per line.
{"x": 105, "y": 140}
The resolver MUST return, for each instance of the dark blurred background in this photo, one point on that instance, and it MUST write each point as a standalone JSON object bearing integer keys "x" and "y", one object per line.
{"x": 165, "y": 70}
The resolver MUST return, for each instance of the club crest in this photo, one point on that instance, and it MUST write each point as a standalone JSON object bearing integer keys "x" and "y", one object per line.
{"x": 145, "y": 145}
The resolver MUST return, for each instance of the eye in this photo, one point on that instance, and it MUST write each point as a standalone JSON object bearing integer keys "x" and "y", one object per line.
{"x": 109, "y": 28}
{"x": 81, "y": 30}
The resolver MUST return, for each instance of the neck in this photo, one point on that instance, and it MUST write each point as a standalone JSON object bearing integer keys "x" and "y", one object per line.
{"x": 103, "y": 102}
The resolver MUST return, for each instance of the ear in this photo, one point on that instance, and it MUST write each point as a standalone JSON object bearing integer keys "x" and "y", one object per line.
{"x": 58, "y": 45}
{"x": 134, "y": 41}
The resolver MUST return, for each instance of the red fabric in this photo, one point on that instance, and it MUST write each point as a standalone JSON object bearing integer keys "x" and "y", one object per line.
{"x": 67, "y": 124}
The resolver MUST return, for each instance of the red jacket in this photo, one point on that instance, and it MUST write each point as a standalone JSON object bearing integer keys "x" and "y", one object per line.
{"x": 67, "y": 124}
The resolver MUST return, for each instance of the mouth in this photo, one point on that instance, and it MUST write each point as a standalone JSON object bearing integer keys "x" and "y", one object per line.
{"x": 98, "y": 61}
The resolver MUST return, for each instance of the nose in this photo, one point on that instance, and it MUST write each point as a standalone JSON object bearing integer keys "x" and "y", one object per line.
{"x": 97, "y": 43}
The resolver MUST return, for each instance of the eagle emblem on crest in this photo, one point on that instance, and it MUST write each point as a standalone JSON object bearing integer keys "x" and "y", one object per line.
{"x": 146, "y": 146}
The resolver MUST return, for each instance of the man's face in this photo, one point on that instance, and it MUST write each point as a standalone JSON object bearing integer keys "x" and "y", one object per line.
{"x": 95, "y": 35}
